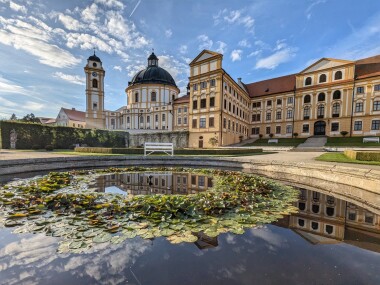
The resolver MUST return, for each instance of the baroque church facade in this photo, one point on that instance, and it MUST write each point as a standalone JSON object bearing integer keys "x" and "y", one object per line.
{"x": 328, "y": 98}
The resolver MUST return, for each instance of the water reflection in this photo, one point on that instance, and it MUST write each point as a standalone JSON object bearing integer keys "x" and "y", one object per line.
{"x": 324, "y": 219}
{"x": 149, "y": 183}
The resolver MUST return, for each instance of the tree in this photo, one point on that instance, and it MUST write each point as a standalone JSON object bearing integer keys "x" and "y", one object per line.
{"x": 13, "y": 117}
{"x": 295, "y": 135}
{"x": 213, "y": 141}
{"x": 30, "y": 118}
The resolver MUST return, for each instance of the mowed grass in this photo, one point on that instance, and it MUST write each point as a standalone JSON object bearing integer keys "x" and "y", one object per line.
{"x": 281, "y": 142}
{"x": 340, "y": 157}
{"x": 353, "y": 141}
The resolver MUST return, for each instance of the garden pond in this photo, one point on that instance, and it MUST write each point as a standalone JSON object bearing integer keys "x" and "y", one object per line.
{"x": 178, "y": 225}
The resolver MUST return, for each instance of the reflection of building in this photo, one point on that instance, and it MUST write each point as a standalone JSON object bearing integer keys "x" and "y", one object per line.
{"x": 146, "y": 183}
{"x": 326, "y": 219}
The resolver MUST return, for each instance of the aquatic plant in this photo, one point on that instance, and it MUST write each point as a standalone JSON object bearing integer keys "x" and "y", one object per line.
{"x": 62, "y": 205}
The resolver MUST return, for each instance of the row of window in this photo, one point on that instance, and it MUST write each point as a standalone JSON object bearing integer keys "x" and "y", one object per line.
{"x": 360, "y": 105}
{"x": 321, "y": 111}
{"x": 202, "y": 123}
{"x": 235, "y": 110}
{"x": 141, "y": 119}
{"x": 204, "y": 103}
{"x": 203, "y": 84}
{"x": 231, "y": 126}
{"x": 235, "y": 94}
{"x": 269, "y": 102}
{"x": 323, "y": 78}
{"x": 153, "y": 97}
{"x": 315, "y": 226}
{"x": 179, "y": 120}
{"x": 375, "y": 125}
{"x": 180, "y": 110}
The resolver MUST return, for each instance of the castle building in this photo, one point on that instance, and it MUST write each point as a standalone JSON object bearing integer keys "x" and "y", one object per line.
{"x": 331, "y": 97}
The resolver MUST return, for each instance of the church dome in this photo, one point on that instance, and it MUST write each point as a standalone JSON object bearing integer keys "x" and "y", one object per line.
{"x": 94, "y": 58}
{"x": 153, "y": 74}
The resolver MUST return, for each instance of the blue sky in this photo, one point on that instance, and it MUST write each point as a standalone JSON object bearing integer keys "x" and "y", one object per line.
{"x": 44, "y": 45}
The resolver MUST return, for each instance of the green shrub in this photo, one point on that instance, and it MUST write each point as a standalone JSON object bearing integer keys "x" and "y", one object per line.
{"x": 36, "y": 147}
{"x": 363, "y": 155}
{"x": 344, "y": 133}
{"x": 30, "y": 134}
{"x": 49, "y": 147}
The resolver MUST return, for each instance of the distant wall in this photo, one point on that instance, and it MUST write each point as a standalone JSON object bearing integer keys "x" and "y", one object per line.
{"x": 179, "y": 139}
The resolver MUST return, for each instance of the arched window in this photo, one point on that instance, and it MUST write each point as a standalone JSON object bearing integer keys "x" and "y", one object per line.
{"x": 336, "y": 95}
{"x": 136, "y": 97}
{"x": 336, "y": 110}
{"x": 338, "y": 75}
{"x": 94, "y": 83}
{"x": 322, "y": 78}
{"x": 173, "y": 97}
{"x": 306, "y": 113}
{"x": 307, "y": 99}
{"x": 321, "y": 97}
{"x": 153, "y": 96}
{"x": 308, "y": 81}
{"x": 321, "y": 111}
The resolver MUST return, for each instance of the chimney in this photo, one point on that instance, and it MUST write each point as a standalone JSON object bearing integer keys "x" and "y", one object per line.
{"x": 239, "y": 79}
{"x": 73, "y": 109}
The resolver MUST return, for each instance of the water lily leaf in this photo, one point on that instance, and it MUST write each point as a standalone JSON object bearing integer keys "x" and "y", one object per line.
{"x": 102, "y": 237}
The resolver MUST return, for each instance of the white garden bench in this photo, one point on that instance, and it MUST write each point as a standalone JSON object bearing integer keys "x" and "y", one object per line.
{"x": 151, "y": 147}
{"x": 273, "y": 141}
{"x": 371, "y": 139}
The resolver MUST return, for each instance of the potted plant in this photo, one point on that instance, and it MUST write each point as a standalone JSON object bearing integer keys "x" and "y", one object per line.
{"x": 344, "y": 133}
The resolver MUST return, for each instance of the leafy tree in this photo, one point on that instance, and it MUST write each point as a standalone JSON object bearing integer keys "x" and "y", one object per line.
{"x": 213, "y": 141}
{"x": 30, "y": 118}
{"x": 13, "y": 117}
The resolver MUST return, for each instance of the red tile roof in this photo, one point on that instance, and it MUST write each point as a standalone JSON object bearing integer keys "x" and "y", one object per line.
{"x": 272, "y": 86}
{"x": 75, "y": 115}
{"x": 367, "y": 67}
{"x": 183, "y": 99}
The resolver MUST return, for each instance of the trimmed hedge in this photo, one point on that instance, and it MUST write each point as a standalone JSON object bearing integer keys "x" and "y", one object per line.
{"x": 363, "y": 155}
{"x": 33, "y": 134}
{"x": 140, "y": 151}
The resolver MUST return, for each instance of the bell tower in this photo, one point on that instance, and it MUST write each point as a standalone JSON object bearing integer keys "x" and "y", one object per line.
{"x": 95, "y": 117}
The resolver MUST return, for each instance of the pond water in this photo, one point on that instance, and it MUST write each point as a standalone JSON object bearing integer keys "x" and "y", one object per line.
{"x": 329, "y": 241}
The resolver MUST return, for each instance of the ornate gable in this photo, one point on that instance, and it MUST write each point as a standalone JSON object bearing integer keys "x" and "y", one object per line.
{"x": 205, "y": 54}
{"x": 326, "y": 63}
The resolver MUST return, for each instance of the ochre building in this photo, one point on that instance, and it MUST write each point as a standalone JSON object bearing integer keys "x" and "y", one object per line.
{"x": 331, "y": 97}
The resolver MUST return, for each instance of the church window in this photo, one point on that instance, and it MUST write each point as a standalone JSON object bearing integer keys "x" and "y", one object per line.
{"x": 94, "y": 83}
{"x": 322, "y": 78}
{"x": 95, "y": 106}
{"x": 153, "y": 96}
{"x": 136, "y": 97}
{"x": 338, "y": 75}
{"x": 94, "y": 64}
{"x": 336, "y": 95}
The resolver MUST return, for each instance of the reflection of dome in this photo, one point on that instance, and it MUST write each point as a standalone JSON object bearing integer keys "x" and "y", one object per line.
{"x": 153, "y": 74}
{"x": 94, "y": 58}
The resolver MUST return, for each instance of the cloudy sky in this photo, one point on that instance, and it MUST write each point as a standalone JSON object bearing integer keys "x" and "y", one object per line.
{"x": 44, "y": 44}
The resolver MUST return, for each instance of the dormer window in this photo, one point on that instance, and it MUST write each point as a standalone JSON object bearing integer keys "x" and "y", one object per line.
{"x": 308, "y": 81}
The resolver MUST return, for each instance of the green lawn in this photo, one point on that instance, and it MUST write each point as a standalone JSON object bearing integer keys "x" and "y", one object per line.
{"x": 340, "y": 157}
{"x": 281, "y": 142}
{"x": 353, "y": 141}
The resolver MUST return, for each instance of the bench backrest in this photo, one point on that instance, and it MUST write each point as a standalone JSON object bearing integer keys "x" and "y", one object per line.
{"x": 273, "y": 141}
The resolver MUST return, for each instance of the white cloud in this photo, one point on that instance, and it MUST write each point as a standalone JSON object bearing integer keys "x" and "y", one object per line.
{"x": 75, "y": 79}
{"x": 111, "y": 3}
{"x": 117, "y": 67}
{"x": 69, "y": 22}
{"x": 7, "y": 86}
{"x": 34, "y": 39}
{"x": 18, "y": 8}
{"x": 34, "y": 106}
{"x": 183, "y": 49}
{"x": 205, "y": 42}
{"x": 275, "y": 59}
{"x": 244, "y": 43}
{"x": 254, "y": 53}
{"x": 311, "y": 6}
{"x": 236, "y": 55}
{"x": 89, "y": 14}
{"x": 222, "y": 47}
{"x": 168, "y": 33}
{"x": 234, "y": 17}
